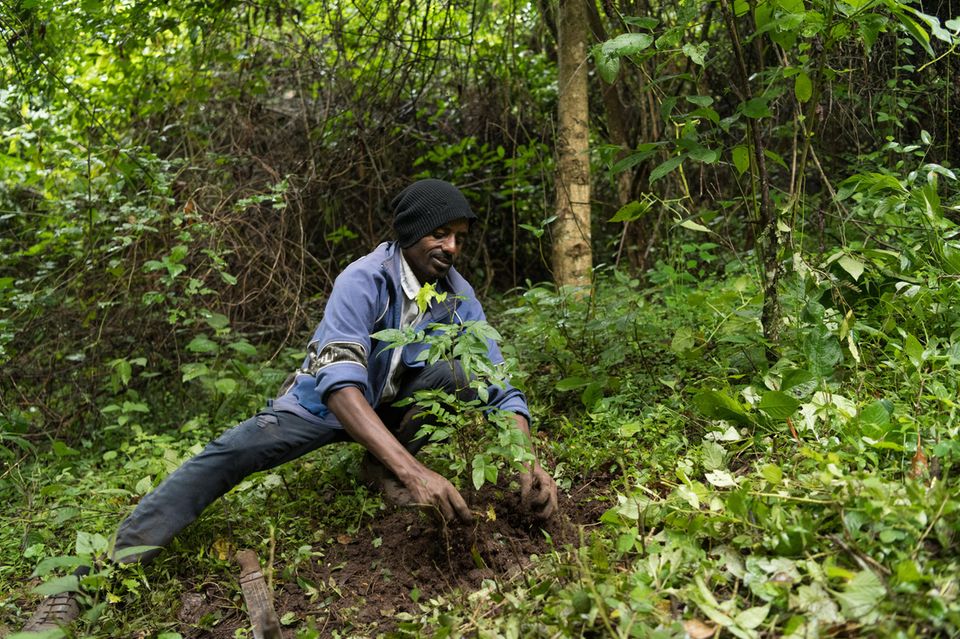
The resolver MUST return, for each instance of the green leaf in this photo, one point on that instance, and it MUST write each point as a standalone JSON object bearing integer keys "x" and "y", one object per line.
{"x": 628, "y": 44}
{"x": 705, "y": 155}
{"x": 217, "y": 321}
{"x": 666, "y": 167}
{"x": 696, "y": 52}
{"x": 778, "y": 405}
{"x": 608, "y": 67}
{"x": 48, "y": 565}
{"x": 58, "y": 585}
{"x": 478, "y": 474}
{"x": 694, "y": 226}
{"x": 861, "y": 597}
{"x": 243, "y": 347}
{"x": 193, "y": 370}
{"x": 572, "y": 383}
{"x": 202, "y": 344}
{"x": 741, "y": 159}
{"x": 631, "y": 211}
{"x": 718, "y": 405}
{"x": 226, "y": 385}
{"x": 913, "y": 350}
{"x": 876, "y": 414}
{"x": 757, "y": 108}
{"x": 823, "y": 352}
{"x": 915, "y": 30}
{"x": 700, "y": 100}
{"x": 144, "y": 485}
{"x": 752, "y": 617}
{"x": 61, "y": 450}
{"x": 802, "y": 87}
{"x": 796, "y": 378}
{"x": 90, "y": 544}
{"x": 851, "y": 265}
{"x": 682, "y": 341}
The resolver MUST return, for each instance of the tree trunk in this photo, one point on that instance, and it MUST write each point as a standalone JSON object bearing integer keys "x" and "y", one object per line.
{"x": 572, "y": 255}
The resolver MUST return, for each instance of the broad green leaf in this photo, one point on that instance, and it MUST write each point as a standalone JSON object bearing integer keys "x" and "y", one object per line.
{"x": 90, "y": 544}
{"x": 876, "y": 414}
{"x": 48, "y": 565}
{"x": 58, "y": 585}
{"x": 823, "y": 352}
{"x": 757, "y": 108}
{"x": 696, "y": 52}
{"x": 913, "y": 350}
{"x": 628, "y": 44}
{"x": 796, "y": 378}
{"x": 682, "y": 340}
{"x": 61, "y": 450}
{"x": 693, "y": 226}
{"x": 608, "y": 67}
{"x": 700, "y": 100}
{"x": 861, "y": 597}
{"x": 144, "y": 485}
{"x": 741, "y": 159}
{"x": 666, "y": 167}
{"x": 772, "y": 473}
{"x": 752, "y": 617}
{"x": 572, "y": 383}
{"x": 226, "y": 385}
{"x": 705, "y": 155}
{"x": 851, "y": 265}
{"x": 217, "y": 321}
{"x": 778, "y": 404}
{"x": 202, "y": 344}
{"x": 915, "y": 30}
{"x": 631, "y": 211}
{"x": 802, "y": 87}
{"x": 243, "y": 347}
{"x": 718, "y": 405}
{"x": 714, "y": 455}
{"x": 720, "y": 478}
{"x": 193, "y": 370}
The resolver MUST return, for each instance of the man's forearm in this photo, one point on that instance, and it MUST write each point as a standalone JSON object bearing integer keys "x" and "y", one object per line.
{"x": 366, "y": 428}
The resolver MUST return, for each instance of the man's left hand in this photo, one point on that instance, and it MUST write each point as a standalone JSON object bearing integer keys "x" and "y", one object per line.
{"x": 538, "y": 493}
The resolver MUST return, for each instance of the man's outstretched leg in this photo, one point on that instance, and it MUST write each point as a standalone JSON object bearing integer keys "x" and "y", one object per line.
{"x": 264, "y": 441}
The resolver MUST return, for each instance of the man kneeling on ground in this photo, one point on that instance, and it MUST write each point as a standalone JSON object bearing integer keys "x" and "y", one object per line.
{"x": 347, "y": 388}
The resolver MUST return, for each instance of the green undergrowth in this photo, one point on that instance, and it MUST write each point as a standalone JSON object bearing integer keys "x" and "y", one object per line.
{"x": 809, "y": 494}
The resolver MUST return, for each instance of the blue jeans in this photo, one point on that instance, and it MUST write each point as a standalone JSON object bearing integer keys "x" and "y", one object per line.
{"x": 264, "y": 441}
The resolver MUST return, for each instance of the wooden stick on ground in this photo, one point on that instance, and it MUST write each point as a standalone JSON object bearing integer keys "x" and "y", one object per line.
{"x": 259, "y": 600}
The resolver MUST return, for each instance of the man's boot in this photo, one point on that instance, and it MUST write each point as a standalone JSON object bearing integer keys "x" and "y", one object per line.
{"x": 54, "y": 612}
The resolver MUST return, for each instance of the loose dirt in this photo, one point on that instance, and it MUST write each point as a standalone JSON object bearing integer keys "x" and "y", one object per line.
{"x": 402, "y": 556}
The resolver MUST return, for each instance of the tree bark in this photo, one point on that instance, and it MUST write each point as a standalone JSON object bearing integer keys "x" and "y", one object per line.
{"x": 572, "y": 253}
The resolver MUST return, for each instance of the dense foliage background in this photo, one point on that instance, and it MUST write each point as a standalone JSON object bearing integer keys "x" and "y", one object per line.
{"x": 763, "y": 378}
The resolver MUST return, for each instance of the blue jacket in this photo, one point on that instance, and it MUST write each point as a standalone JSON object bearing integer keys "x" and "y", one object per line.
{"x": 367, "y": 298}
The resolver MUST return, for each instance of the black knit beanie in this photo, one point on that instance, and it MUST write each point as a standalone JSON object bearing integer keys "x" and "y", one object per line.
{"x": 426, "y": 205}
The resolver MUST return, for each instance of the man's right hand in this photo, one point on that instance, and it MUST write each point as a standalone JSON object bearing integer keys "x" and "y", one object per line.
{"x": 427, "y": 488}
{"x": 431, "y": 490}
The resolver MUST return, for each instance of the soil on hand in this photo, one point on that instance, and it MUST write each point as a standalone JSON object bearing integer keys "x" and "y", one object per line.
{"x": 402, "y": 556}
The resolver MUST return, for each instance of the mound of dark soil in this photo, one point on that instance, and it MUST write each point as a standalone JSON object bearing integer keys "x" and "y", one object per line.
{"x": 403, "y": 556}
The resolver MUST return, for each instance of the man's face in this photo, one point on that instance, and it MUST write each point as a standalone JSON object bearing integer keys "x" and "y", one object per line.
{"x": 434, "y": 253}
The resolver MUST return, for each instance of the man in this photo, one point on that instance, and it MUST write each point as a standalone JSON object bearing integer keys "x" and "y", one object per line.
{"x": 346, "y": 390}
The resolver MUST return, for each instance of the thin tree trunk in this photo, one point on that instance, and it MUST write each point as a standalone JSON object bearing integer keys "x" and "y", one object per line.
{"x": 768, "y": 245}
{"x": 572, "y": 254}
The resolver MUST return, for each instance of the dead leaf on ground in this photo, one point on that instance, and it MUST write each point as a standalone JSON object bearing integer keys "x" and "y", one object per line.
{"x": 698, "y": 629}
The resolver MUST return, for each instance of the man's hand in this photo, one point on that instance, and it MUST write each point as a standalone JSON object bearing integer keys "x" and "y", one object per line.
{"x": 538, "y": 493}
{"x": 427, "y": 488}
{"x": 431, "y": 490}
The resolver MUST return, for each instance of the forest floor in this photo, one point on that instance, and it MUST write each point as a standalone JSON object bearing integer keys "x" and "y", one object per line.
{"x": 402, "y": 556}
